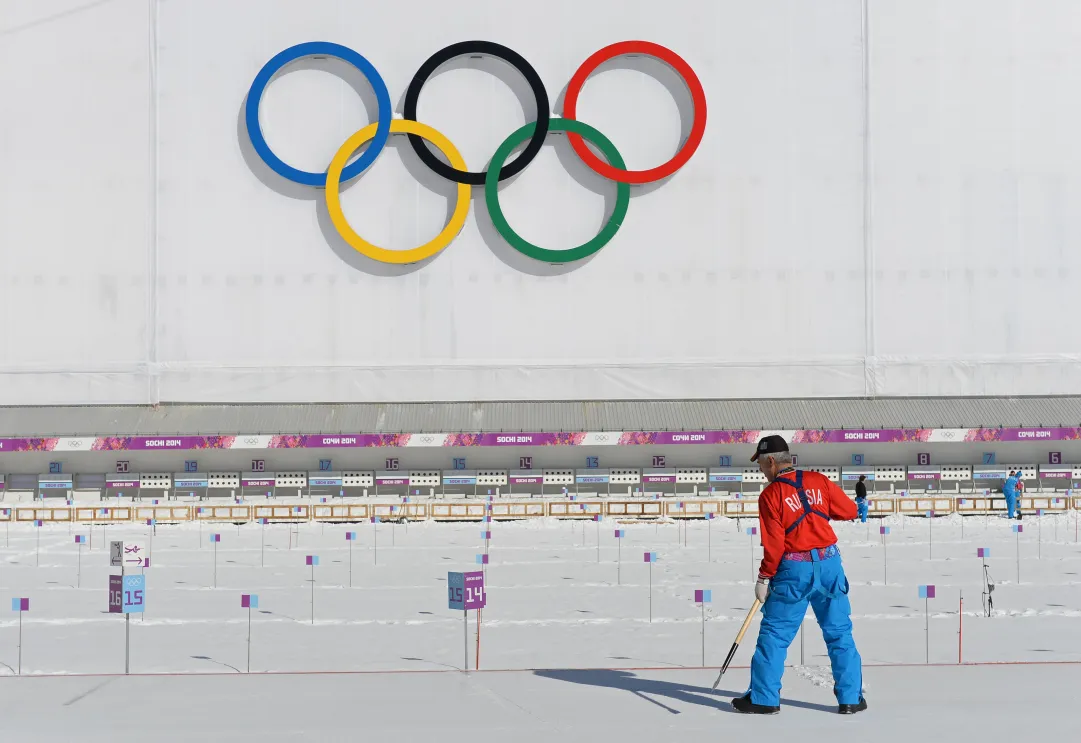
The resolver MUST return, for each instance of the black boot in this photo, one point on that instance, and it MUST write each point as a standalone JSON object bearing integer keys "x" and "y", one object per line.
{"x": 851, "y": 709}
{"x": 746, "y": 706}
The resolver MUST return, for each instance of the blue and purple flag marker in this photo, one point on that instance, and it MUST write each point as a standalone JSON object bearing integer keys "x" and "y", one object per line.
{"x": 930, "y": 514}
{"x": 375, "y": 519}
{"x": 80, "y": 539}
{"x": 20, "y": 605}
{"x": 752, "y": 531}
{"x": 649, "y": 557}
{"x": 486, "y": 535}
{"x": 37, "y": 522}
{"x": 151, "y": 522}
{"x": 263, "y": 521}
{"x": 983, "y": 552}
{"x": 482, "y": 559}
{"x": 620, "y": 533}
{"x": 215, "y": 538}
{"x": 312, "y": 560}
{"x": 703, "y": 596}
{"x": 597, "y": 517}
{"x": 883, "y": 530}
{"x": 709, "y": 515}
{"x": 350, "y": 536}
{"x": 1018, "y": 528}
{"x": 927, "y": 592}
{"x": 249, "y": 601}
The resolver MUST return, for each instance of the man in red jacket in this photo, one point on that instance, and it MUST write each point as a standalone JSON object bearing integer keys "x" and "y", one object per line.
{"x": 801, "y": 565}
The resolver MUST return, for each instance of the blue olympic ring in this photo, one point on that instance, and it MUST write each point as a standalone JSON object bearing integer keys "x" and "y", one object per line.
{"x": 324, "y": 49}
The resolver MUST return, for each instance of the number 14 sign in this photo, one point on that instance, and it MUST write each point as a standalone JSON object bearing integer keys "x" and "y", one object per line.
{"x": 465, "y": 591}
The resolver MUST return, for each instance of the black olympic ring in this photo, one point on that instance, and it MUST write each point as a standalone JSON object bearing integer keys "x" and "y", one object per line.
{"x": 515, "y": 60}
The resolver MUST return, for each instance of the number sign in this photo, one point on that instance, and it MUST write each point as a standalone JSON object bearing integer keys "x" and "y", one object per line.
{"x": 116, "y": 601}
{"x": 658, "y": 460}
{"x": 134, "y": 594}
{"x": 525, "y": 463}
{"x": 725, "y": 461}
{"x": 923, "y": 459}
{"x": 593, "y": 462}
{"x": 324, "y": 465}
{"x": 1054, "y": 457}
{"x": 191, "y": 465}
{"x": 988, "y": 457}
{"x": 857, "y": 459}
{"x": 55, "y": 468}
{"x": 122, "y": 466}
{"x": 391, "y": 464}
{"x": 459, "y": 463}
{"x": 465, "y": 591}
{"x": 258, "y": 465}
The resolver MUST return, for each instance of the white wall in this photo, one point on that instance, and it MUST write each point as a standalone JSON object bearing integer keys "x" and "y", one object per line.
{"x": 149, "y": 256}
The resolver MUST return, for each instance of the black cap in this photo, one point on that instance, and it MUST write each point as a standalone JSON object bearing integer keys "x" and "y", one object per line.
{"x": 770, "y": 445}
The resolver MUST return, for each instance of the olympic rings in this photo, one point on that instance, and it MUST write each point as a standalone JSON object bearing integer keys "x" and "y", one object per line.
{"x": 358, "y": 243}
{"x": 673, "y": 60}
{"x": 535, "y": 132}
{"x": 515, "y": 60}
{"x": 491, "y": 195}
{"x": 311, "y": 49}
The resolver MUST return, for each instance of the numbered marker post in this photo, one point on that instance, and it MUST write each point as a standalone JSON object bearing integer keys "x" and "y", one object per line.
{"x": 249, "y": 602}
{"x": 988, "y": 584}
{"x": 214, "y": 539}
{"x": 709, "y": 535}
{"x": 20, "y": 605}
{"x": 80, "y": 540}
{"x": 619, "y": 534}
{"x": 884, "y": 532}
{"x": 375, "y": 540}
{"x": 350, "y": 536}
{"x": 927, "y": 593}
{"x": 262, "y": 542}
{"x": 703, "y": 597}
{"x": 597, "y": 518}
{"x": 37, "y": 549}
{"x": 465, "y": 592}
{"x": 133, "y": 601}
{"x": 751, "y": 532}
{"x": 930, "y": 532}
{"x": 650, "y": 557}
{"x": 153, "y": 524}
{"x": 1017, "y": 530}
{"x": 312, "y": 560}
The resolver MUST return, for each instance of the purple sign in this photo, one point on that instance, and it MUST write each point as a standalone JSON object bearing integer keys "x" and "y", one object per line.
{"x": 658, "y": 478}
{"x": 391, "y": 480}
{"x": 264, "y": 483}
{"x": 115, "y": 483}
{"x": 924, "y": 475}
{"x": 116, "y": 593}
{"x": 523, "y": 480}
{"x": 465, "y": 591}
{"x": 1054, "y": 474}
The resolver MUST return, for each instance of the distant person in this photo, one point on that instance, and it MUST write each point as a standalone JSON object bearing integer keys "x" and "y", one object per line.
{"x": 1009, "y": 489}
{"x": 861, "y": 498}
{"x": 801, "y": 564}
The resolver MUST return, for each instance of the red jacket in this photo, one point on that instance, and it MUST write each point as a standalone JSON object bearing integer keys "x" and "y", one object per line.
{"x": 779, "y": 507}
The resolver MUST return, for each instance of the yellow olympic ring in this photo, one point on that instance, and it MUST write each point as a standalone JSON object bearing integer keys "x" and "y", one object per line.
{"x": 358, "y": 243}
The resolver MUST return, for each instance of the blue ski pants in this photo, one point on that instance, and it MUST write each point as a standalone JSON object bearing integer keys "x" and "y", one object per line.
{"x": 1011, "y": 504}
{"x": 823, "y": 584}
{"x": 862, "y": 507}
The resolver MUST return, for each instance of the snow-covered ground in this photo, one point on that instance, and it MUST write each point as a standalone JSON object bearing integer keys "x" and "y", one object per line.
{"x": 550, "y": 606}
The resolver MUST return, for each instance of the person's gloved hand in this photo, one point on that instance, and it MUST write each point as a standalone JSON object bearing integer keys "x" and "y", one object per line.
{"x": 761, "y": 589}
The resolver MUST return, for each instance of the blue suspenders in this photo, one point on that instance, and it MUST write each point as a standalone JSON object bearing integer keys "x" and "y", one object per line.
{"x": 807, "y": 510}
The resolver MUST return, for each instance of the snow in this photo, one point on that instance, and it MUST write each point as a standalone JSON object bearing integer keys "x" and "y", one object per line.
{"x": 386, "y": 652}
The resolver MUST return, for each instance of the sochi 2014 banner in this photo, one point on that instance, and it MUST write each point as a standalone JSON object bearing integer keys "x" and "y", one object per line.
{"x": 595, "y": 438}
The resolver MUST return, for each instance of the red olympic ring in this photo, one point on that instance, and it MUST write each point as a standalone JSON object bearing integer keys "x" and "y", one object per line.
{"x": 673, "y": 60}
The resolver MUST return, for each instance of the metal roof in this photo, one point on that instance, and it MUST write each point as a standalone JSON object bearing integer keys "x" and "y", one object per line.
{"x": 453, "y": 417}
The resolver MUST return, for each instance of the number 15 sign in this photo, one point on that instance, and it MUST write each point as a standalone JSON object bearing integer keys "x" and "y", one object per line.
{"x": 465, "y": 591}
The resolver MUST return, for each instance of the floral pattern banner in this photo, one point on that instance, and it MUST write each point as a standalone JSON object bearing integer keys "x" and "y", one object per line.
{"x": 584, "y": 438}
